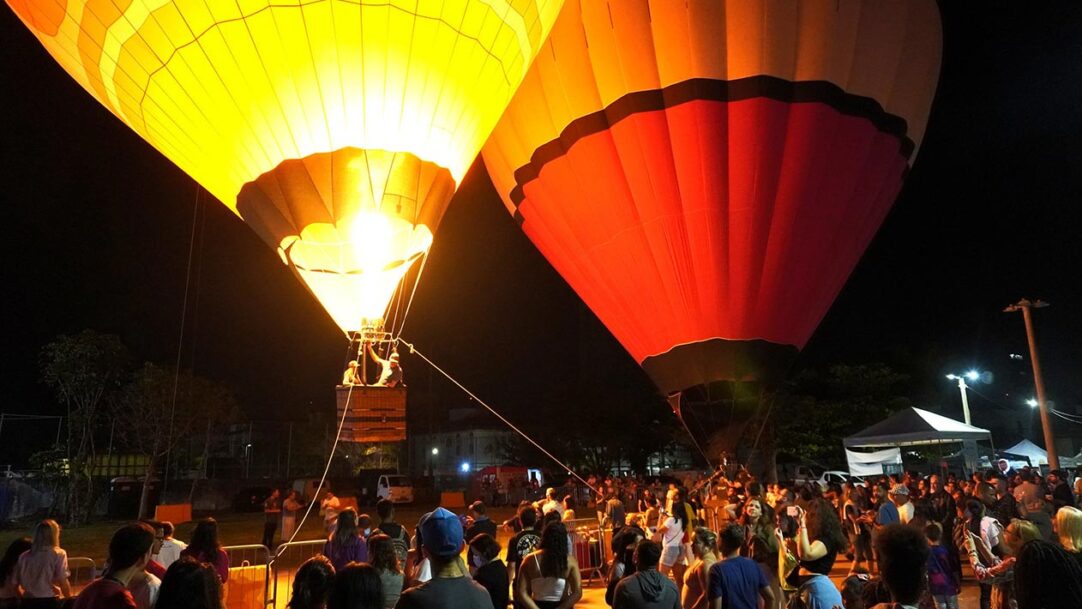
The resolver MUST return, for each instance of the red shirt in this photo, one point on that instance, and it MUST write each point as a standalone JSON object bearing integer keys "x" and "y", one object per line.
{"x": 105, "y": 594}
{"x": 156, "y": 569}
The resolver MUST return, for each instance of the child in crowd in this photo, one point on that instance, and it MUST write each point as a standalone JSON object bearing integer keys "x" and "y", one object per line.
{"x": 941, "y": 580}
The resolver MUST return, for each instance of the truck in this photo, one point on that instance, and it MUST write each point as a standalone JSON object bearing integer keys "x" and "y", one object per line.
{"x": 376, "y": 484}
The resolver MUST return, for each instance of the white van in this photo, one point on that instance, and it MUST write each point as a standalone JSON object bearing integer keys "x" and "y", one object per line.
{"x": 396, "y": 488}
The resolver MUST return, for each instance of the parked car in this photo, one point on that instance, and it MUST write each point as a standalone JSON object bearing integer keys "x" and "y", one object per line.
{"x": 396, "y": 488}
{"x": 839, "y": 478}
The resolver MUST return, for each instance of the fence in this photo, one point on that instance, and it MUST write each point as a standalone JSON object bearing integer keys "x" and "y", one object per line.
{"x": 289, "y": 558}
{"x": 83, "y": 571}
{"x": 249, "y": 576}
{"x": 590, "y": 546}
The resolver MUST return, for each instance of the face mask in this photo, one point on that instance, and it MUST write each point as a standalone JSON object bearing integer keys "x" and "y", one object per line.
{"x": 478, "y": 561}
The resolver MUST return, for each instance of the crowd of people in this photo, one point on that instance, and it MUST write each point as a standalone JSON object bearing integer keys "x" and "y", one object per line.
{"x": 725, "y": 541}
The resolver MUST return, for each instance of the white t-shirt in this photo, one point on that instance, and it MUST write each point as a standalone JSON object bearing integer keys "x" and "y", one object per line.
{"x": 674, "y": 533}
{"x": 905, "y": 512}
{"x": 145, "y": 591}
{"x": 38, "y": 572}
{"x": 991, "y": 531}
{"x": 170, "y": 552}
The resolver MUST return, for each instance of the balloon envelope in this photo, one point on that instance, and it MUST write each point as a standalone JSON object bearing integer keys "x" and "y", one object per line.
{"x": 337, "y": 129}
{"x": 706, "y": 174}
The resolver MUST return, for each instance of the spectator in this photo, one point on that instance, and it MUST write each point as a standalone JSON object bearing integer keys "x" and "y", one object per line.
{"x": 569, "y": 508}
{"x": 1059, "y": 490}
{"x": 345, "y": 544}
{"x": 819, "y": 538}
{"x": 205, "y": 547}
{"x": 549, "y": 503}
{"x": 9, "y": 588}
{"x": 489, "y": 570}
{"x": 479, "y": 523}
{"x": 190, "y": 584}
{"x": 42, "y": 571}
{"x": 623, "y": 561}
{"x": 272, "y": 516}
{"x": 420, "y": 570}
{"x": 615, "y": 515}
{"x": 646, "y": 588}
{"x": 524, "y": 542}
{"x": 1069, "y": 530}
{"x": 171, "y": 548}
{"x": 312, "y": 584}
{"x": 737, "y": 582}
{"x": 328, "y": 508}
{"x": 903, "y": 559}
{"x": 1047, "y": 577}
{"x": 382, "y": 556}
{"x": 154, "y": 567}
{"x": 704, "y": 543}
{"x": 550, "y": 576}
{"x": 853, "y": 587}
{"x": 290, "y": 507}
{"x": 129, "y": 553}
{"x": 356, "y": 586}
{"x": 397, "y": 533}
{"x": 440, "y": 532}
{"x": 673, "y": 553}
{"x": 942, "y": 581}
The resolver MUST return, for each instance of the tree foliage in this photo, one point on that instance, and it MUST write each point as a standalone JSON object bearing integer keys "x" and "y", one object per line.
{"x": 84, "y": 371}
{"x": 818, "y": 409}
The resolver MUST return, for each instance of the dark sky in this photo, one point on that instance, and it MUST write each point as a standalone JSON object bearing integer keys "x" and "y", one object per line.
{"x": 98, "y": 226}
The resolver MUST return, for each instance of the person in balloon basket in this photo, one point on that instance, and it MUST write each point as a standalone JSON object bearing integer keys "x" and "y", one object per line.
{"x": 129, "y": 552}
{"x": 390, "y": 372}
{"x": 451, "y": 587}
{"x": 350, "y": 376}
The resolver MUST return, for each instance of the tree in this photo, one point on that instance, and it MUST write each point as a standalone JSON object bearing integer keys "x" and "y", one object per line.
{"x": 817, "y": 410}
{"x": 161, "y": 407}
{"x": 83, "y": 371}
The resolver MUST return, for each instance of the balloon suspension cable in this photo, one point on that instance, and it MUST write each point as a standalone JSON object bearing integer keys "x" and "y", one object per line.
{"x": 397, "y": 336}
{"x": 678, "y": 411}
{"x": 414, "y": 351}
{"x": 180, "y": 339}
{"x": 322, "y": 480}
{"x": 766, "y": 419}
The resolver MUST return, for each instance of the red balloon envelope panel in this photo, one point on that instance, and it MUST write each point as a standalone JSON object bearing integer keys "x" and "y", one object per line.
{"x": 706, "y": 174}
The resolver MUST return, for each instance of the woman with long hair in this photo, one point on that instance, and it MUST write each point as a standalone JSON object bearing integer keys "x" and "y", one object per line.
{"x": 704, "y": 546}
{"x": 345, "y": 544}
{"x": 671, "y": 534}
{"x": 205, "y": 547}
{"x": 190, "y": 584}
{"x": 42, "y": 571}
{"x": 819, "y": 538}
{"x": 761, "y": 542}
{"x": 356, "y": 586}
{"x": 1069, "y": 530}
{"x": 312, "y": 584}
{"x": 549, "y": 578}
{"x": 382, "y": 557}
{"x": 9, "y": 588}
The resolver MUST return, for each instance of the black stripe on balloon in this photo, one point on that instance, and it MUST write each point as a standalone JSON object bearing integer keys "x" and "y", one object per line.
{"x": 653, "y": 100}
{"x": 719, "y": 360}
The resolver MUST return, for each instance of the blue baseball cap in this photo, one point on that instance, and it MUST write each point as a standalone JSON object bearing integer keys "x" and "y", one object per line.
{"x": 441, "y": 533}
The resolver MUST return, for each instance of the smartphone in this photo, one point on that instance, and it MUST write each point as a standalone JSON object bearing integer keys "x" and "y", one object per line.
{"x": 793, "y": 511}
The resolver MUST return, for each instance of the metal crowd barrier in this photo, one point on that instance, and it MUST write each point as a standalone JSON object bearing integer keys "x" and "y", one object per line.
{"x": 289, "y": 558}
{"x": 83, "y": 571}
{"x": 249, "y": 576}
{"x": 590, "y": 546}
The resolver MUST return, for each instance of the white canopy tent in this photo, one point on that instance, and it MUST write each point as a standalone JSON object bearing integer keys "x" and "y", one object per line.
{"x": 919, "y": 427}
{"x": 1025, "y": 448}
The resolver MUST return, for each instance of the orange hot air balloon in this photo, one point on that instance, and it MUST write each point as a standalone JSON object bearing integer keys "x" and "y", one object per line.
{"x": 706, "y": 174}
{"x": 337, "y": 129}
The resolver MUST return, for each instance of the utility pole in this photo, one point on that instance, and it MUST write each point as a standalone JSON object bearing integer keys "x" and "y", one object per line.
{"x": 1025, "y": 305}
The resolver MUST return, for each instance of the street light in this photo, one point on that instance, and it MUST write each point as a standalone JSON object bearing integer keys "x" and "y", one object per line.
{"x": 972, "y": 375}
{"x": 1025, "y": 305}
{"x": 435, "y": 451}
{"x": 1032, "y": 403}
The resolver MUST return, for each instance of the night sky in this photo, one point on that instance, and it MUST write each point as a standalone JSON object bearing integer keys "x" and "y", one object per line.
{"x": 98, "y": 227}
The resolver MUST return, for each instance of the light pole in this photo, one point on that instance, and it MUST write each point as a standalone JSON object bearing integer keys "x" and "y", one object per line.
{"x": 961, "y": 378}
{"x": 1024, "y": 306}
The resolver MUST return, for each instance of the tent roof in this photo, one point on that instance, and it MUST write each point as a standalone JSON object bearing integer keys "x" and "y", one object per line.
{"x": 1026, "y": 448}
{"x": 912, "y": 427}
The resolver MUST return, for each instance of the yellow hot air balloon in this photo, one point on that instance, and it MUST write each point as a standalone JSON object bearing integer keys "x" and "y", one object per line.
{"x": 338, "y": 130}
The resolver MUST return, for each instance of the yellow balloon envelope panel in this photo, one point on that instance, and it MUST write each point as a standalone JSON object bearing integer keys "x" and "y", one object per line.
{"x": 337, "y": 129}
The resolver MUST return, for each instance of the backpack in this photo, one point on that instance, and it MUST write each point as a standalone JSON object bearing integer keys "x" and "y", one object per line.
{"x": 400, "y": 543}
